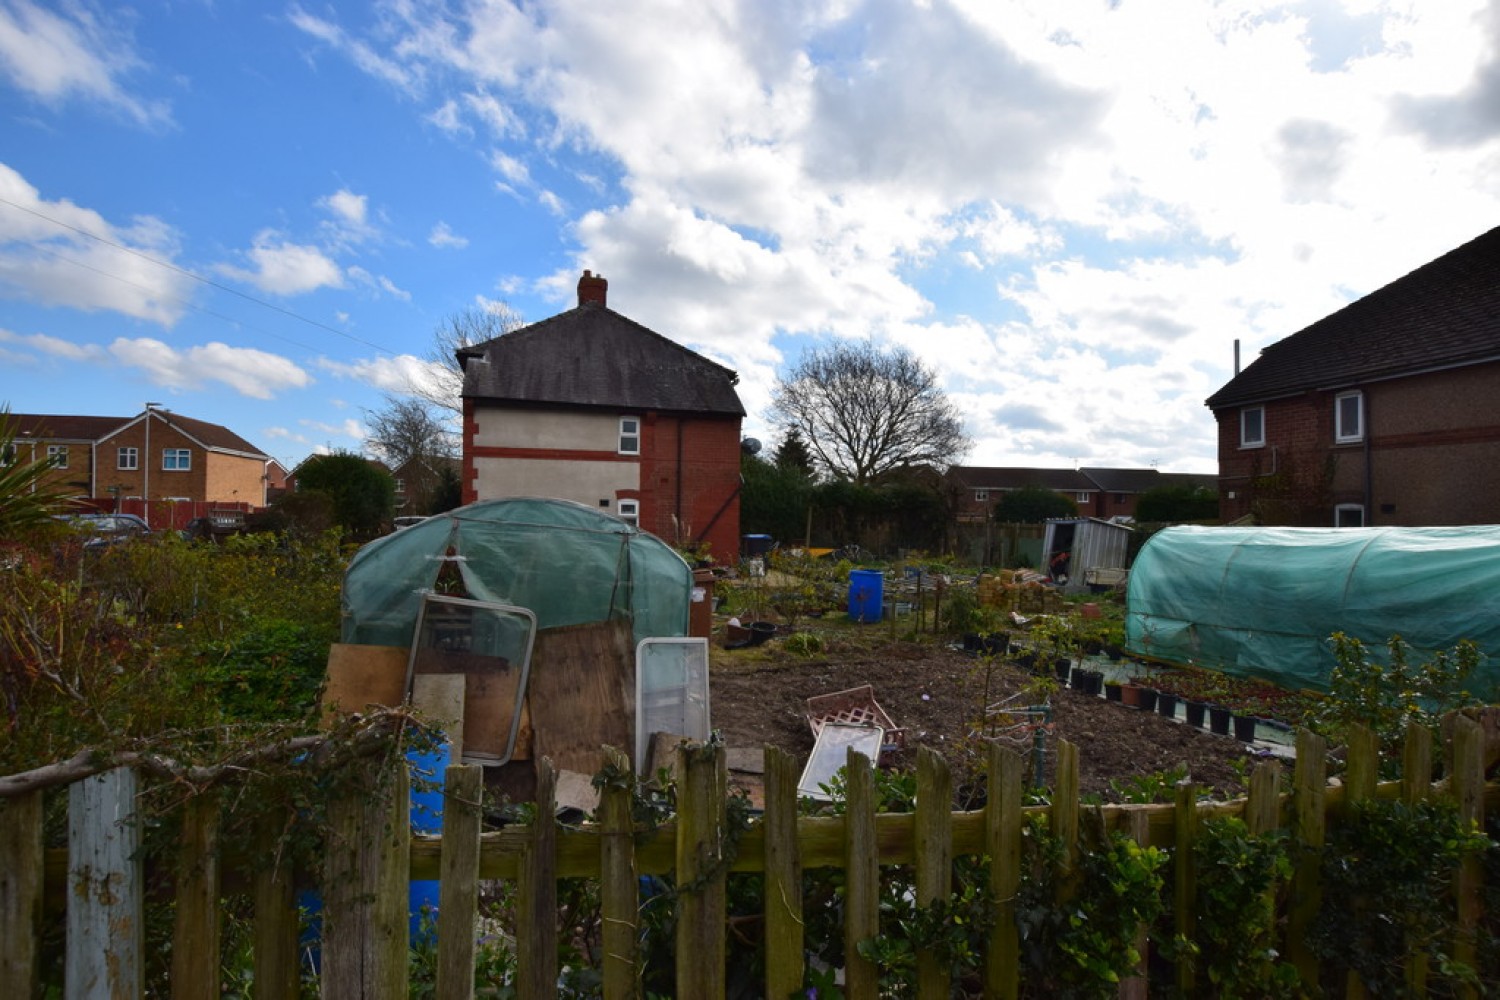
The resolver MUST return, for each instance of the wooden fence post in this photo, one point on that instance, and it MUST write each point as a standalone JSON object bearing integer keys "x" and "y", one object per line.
{"x": 536, "y": 895}
{"x": 785, "y": 964}
{"x": 21, "y": 867}
{"x": 619, "y": 883}
{"x": 1138, "y": 828}
{"x": 933, "y": 845}
{"x": 1310, "y": 781}
{"x": 105, "y": 925}
{"x": 276, "y": 918}
{"x": 195, "y": 937}
{"x": 1468, "y": 791}
{"x": 458, "y": 885}
{"x": 861, "y": 878}
{"x": 1360, "y": 778}
{"x": 1064, "y": 816}
{"x": 1186, "y": 824}
{"x": 702, "y": 868}
{"x": 366, "y": 890}
{"x": 1002, "y": 837}
{"x": 1416, "y": 787}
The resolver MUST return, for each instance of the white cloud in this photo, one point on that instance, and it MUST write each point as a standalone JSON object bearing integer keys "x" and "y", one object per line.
{"x": 75, "y": 53}
{"x": 249, "y": 372}
{"x": 53, "y": 347}
{"x": 284, "y": 268}
{"x": 360, "y": 53}
{"x": 399, "y": 374}
{"x": 58, "y": 253}
{"x": 443, "y": 237}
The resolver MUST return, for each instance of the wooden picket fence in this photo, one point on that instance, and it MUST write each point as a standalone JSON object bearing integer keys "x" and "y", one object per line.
{"x": 371, "y": 857}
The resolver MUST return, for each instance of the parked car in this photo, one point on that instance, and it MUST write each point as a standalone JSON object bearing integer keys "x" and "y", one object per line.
{"x": 108, "y": 529}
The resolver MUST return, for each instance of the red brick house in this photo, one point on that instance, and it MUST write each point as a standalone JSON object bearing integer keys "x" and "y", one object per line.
{"x": 1383, "y": 413}
{"x": 591, "y": 406}
{"x": 165, "y": 467}
{"x": 1098, "y": 492}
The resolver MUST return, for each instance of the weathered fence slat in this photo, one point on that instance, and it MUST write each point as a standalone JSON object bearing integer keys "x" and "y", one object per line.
{"x": 1138, "y": 828}
{"x": 1309, "y": 787}
{"x": 536, "y": 895}
{"x": 21, "y": 868}
{"x": 1064, "y": 815}
{"x": 1361, "y": 774}
{"x": 1416, "y": 787}
{"x": 105, "y": 915}
{"x": 619, "y": 890}
{"x": 934, "y": 867}
{"x": 702, "y": 871}
{"x": 1468, "y": 791}
{"x": 458, "y": 889}
{"x": 1185, "y": 878}
{"x": 861, "y": 878}
{"x": 1002, "y": 838}
{"x": 785, "y": 965}
{"x": 274, "y": 935}
{"x": 366, "y": 891}
{"x": 195, "y": 937}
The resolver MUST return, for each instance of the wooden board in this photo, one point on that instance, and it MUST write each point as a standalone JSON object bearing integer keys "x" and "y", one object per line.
{"x": 489, "y": 707}
{"x": 440, "y": 699}
{"x": 360, "y": 676}
{"x": 581, "y": 693}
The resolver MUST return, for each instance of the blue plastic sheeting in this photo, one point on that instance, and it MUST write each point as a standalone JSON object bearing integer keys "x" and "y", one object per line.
{"x": 1262, "y": 602}
{"x": 565, "y": 562}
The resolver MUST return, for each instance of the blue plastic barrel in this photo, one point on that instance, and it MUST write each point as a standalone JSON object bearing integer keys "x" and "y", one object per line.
{"x": 426, "y": 817}
{"x": 866, "y": 593}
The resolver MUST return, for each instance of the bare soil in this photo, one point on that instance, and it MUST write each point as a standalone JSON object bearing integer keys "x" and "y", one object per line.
{"x": 938, "y": 696}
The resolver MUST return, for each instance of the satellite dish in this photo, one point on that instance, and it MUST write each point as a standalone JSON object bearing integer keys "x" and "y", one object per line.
{"x": 750, "y": 446}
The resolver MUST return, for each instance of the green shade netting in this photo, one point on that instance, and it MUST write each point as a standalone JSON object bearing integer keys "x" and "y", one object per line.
{"x": 565, "y": 562}
{"x": 1262, "y": 602}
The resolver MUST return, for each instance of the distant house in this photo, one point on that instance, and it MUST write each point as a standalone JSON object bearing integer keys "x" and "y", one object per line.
{"x": 165, "y": 467}
{"x": 1098, "y": 492}
{"x": 1382, "y": 413}
{"x": 591, "y": 406}
{"x": 419, "y": 480}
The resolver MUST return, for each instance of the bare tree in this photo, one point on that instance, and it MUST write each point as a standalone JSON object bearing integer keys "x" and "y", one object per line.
{"x": 864, "y": 412}
{"x": 404, "y": 429}
{"x": 465, "y": 328}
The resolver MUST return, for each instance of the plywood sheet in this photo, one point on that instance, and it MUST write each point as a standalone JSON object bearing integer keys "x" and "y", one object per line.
{"x": 489, "y": 708}
{"x": 360, "y": 676}
{"x": 581, "y": 693}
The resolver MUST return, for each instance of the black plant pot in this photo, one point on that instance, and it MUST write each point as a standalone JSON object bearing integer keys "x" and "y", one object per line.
{"x": 996, "y": 643}
{"x": 1244, "y": 727}
{"x": 1195, "y": 711}
{"x": 1111, "y": 691}
{"x": 1026, "y": 660}
{"x": 1218, "y": 720}
{"x": 1148, "y": 699}
{"x": 1061, "y": 665}
{"x": 1166, "y": 705}
{"x": 1087, "y": 681}
{"x": 972, "y": 642}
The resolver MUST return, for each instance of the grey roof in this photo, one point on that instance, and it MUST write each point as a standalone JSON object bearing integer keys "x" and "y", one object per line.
{"x": 213, "y": 437}
{"x": 991, "y": 478}
{"x": 1444, "y": 314}
{"x": 593, "y": 356}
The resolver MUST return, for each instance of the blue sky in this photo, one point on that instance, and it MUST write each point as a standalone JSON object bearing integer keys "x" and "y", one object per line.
{"x": 256, "y": 213}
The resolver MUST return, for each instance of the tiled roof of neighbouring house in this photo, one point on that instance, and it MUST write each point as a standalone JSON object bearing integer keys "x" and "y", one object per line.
{"x": 593, "y": 356}
{"x": 1446, "y": 313}
{"x": 68, "y": 427}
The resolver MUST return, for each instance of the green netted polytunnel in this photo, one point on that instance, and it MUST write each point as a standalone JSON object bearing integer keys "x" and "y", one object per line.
{"x": 567, "y": 563}
{"x": 1262, "y": 602}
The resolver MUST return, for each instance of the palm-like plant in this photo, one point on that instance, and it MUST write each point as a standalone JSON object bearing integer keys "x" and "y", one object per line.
{"x": 27, "y": 498}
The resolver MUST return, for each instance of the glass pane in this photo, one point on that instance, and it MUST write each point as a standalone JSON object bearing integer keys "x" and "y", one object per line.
{"x": 671, "y": 691}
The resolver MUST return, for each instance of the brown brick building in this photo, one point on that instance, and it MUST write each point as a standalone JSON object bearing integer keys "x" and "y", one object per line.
{"x": 1383, "y": 413}
{"x": 165, "y": 467}
{"x": 593, "y": 407}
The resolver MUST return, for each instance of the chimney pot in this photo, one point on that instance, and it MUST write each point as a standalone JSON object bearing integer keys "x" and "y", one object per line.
{"x": 592, "y": 289}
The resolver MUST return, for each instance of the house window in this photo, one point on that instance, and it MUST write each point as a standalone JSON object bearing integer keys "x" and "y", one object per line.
{"x": 1081, "y": 497}
{"x": 630, "y": 436}
{"x": 127, "y": 460}
{"x": 400, "y": 486}
{"x": 57, "y": 454}
{"x": 630, "y": 511}
{"x": 1349, "y": 515}
{"x": 176, "y": 459}
{"x": 981, "y": 496}
{"x": 1253, "y": 427}
{"x": 1349, "y": 417}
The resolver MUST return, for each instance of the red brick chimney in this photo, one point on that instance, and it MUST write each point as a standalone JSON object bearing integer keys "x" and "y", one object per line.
{"x": 591, "y": 289}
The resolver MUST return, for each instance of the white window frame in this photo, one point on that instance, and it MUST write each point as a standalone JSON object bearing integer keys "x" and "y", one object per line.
{"x": 1246, "y": 441}
{"x": 981, "y": 496}
{"x": 128, "y": 459}
{"x": 1342, "y": 434}
{"x": 1083, "y": 496}
{"x": 180, "y": 460}
{"x": 630, "y": 435}
{"x": 1348, "y": 508}
{"x": 629, "y": 511}
{"x": 57, "y": 455}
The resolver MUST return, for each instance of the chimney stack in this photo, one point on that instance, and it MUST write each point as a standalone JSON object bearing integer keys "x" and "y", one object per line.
{"x": 591, "y": 289}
